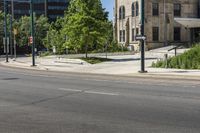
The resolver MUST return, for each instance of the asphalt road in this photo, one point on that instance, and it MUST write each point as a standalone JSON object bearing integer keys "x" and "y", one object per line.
{"x": 50, "y": 102}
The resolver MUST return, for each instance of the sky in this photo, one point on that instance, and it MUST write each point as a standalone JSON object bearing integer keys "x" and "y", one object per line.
{"x": 109, "y": 4}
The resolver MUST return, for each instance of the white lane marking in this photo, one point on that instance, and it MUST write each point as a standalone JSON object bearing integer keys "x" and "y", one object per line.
{"x": 101, "y": 93}
{"x": 65, "y": 89}
{"x": 89, "y": 92}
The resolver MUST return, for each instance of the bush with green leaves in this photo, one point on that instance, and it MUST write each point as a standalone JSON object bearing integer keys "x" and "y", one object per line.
{"x": 188, "y": 60}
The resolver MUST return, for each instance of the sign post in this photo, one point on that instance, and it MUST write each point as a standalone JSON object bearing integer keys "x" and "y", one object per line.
{"x": 15, "y": 49}
{"x": 31, "y": 40}
{"x": 5, "y": 29}
{"x": 6, "y": 42}
{"x": 32, "y": 33}
{"x": 142, "y": 39}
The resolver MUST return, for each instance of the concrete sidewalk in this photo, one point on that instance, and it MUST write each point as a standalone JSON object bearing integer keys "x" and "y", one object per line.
{"x": 121, "y": 65}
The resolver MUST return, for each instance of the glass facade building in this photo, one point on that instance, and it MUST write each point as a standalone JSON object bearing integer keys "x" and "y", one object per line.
{"x": 56, "y": 8}
{"x": 50, "y": 8}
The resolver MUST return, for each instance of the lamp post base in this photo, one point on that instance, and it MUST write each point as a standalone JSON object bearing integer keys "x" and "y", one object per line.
{"x": 143, "y": 71}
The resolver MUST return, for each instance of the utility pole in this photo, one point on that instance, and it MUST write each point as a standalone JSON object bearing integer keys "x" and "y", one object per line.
{"x": 32, "y": 33}
{"x": 142, "y": 40}
{"x": 45, "y": 7}
{"x": 5, "y": 29}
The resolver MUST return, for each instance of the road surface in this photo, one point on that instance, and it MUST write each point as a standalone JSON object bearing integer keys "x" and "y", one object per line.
{"x": 50, "y": 102}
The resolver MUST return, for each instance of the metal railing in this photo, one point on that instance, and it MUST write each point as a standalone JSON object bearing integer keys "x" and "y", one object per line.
{"x": 175, "y": 49}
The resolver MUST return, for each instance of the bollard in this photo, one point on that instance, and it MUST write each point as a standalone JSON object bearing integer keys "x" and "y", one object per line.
{"x": 166, "y": 58}
{"x": 175, "y": 51}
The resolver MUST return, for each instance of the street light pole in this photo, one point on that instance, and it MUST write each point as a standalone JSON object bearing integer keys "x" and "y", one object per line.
{"x": 5, "y": 29}
{"x": 142, "y": 41}
{"x": 11, "y": 31}
{"x": 45, "y": 7}
{"x": 14, "y": 32}
{"x": 32, "y": 33}
{"x": 165, "y": 23}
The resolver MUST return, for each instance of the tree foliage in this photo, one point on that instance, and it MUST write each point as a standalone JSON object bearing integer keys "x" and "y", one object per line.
{"x": 41, "y": 28}
{"x": 24, "y": 30}
{"x": 54, "y": 37}
{"x": 2, "y": 26}
{"x": 85, "y": 25}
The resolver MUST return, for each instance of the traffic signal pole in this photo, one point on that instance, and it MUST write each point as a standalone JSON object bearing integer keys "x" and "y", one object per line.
{"x": 11, "y": 34}
{"x": 32, "y": 33}
{"x": 142, "y": 41}
{"x": 5, "y": 29}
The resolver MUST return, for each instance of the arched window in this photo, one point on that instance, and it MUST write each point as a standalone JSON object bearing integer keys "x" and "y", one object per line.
{"x": 122, "y": 12}
{"x": 133, "y": 10}
{"x": 137, "y": 8}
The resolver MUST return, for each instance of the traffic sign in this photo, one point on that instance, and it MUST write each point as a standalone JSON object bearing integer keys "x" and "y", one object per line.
{"x": 31, "y": 40}
{"x": 140, "y": 37}
{"x": 4, "y": 44}
{"x": 15, "y": 31}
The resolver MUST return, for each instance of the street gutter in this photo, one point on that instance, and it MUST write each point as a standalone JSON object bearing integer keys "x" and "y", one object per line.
{"x": 131, "y": 75}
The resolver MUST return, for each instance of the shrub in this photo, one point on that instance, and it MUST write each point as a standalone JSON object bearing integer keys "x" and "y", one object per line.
{"x": 188, "y": 60}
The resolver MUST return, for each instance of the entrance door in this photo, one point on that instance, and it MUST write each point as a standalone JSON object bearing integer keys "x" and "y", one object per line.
{"x": 195, "y": 35}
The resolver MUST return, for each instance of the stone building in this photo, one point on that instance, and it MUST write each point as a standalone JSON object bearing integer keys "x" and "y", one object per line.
{"x": 166, "y": 22}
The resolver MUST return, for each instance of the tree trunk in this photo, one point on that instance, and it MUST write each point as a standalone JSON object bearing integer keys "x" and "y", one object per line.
{"x": 86, "y": 50}
{"x": 86, "y": 46}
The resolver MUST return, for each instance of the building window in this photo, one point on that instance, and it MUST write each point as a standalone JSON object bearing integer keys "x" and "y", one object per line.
{"x": 133, "y": 34}
{"x": 155, "y": 32}
{"x": 177, "y": 33}
{"x": 137, "y": 31}
{"x": 122, "y": 12}
{"x": 133, "y": 10}
{"x": 122, "y": 35}
{"x": 155, "y": 9}
{"x": 137, "y": 9}
{"x": 177, "y": 10}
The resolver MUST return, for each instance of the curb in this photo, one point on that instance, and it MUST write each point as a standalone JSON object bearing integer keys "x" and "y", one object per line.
{"x": 131, "y": 75}
{"x": 37, "y": 67}
{"x": 166, "y": 76}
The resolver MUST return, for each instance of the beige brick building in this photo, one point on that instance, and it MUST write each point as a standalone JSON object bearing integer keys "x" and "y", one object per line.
{"x": 166, "y": 22}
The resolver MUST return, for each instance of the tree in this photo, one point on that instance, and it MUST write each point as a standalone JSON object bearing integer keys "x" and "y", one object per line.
{"x": 54, "y": 38}
{"x": 23, "y": 27}
{"x": 2, "y": 26}
{"x": 41, "y": 29}
{"x": 85, "y": 25}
